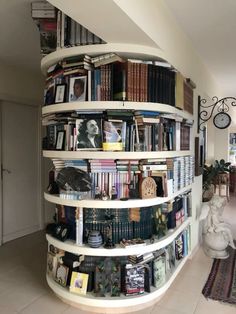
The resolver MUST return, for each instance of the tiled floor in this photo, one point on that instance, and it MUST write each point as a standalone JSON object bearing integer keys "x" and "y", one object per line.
{"x": 23, "y": 287}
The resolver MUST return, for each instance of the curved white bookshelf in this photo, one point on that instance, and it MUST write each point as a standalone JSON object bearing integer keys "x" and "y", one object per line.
{"x": 112, "y": 155}
{"x": 123, "y": 303}
{"x": 125, "y": 50}
{"x": 89, "y": 301}
{"x": 121, "y": 105}
{"x": 56, "y": 199}
{"x": 70, "y": 246}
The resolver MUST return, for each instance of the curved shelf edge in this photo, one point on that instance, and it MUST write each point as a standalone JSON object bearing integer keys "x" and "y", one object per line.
{"x": 71, "y": 247}
{"x": 121, "y": 105}
{"x": 112, "y": 155}
{"x": 55, "y": 199}
{"x": 126, "y": 50}
{"x": 115, "y": 302}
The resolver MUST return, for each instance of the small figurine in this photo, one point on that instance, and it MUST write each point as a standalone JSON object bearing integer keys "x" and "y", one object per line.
{"x": 216, "y": 233}
{"x": 104, "y": 196}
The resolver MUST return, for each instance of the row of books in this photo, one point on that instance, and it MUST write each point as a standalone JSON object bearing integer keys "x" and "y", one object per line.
{"x": 122, "y": 179}
{"x": 116, "y": 225}
{"x": 71, "y": 33}
{"x": 57, "y": 30}
{"x": 132, "y": 275}
{"x": 118, "y": 131}
{"x": 121, "y": 79}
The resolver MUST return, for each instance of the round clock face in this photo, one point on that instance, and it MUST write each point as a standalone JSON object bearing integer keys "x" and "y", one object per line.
{"x": 222, "y": 120}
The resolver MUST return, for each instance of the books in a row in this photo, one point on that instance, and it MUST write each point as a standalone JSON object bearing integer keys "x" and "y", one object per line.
{"x": 117, "y": 131}
{"x": 128, "y": 226}
{"x": 57, "y": 30}
{"x": 124, "y": 180}
{"x": 132, "y": 275}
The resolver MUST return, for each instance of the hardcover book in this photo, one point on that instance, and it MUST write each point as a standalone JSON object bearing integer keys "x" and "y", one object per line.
{"x": 159, "y": 271}
{"x": 134, "y": 279}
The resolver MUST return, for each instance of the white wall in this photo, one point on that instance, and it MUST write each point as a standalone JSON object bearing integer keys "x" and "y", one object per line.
{"x": 221, "y": 144}
{"x": 23, "y": 86}
{"x": 20, "y": 85}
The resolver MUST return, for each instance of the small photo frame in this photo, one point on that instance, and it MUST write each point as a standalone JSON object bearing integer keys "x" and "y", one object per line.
{"x": 77, "y": 88}
{"x": 60, "y": 140}
{"x": 60, "y": 93}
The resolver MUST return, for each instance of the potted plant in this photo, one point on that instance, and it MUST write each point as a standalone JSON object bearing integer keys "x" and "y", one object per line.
{"x": 210, "y": 177}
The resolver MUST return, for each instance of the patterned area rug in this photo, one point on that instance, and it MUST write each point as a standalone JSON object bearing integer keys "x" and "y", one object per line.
{"x": 221, "y": 283}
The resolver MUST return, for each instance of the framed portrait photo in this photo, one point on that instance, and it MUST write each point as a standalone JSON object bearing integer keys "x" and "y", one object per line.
{"x": 60, "y": 93}
{"x": 60, "y": 140}
{"x": 77, "y": 88}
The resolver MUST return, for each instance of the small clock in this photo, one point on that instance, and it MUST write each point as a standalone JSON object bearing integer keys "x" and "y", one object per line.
{"x": 222, "y": 120}
{"x": 148, "y": 188}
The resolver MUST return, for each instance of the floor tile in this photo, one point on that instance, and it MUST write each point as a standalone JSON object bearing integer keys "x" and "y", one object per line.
{"x": 48, "y": 303}
{"x": 209, "y": 306}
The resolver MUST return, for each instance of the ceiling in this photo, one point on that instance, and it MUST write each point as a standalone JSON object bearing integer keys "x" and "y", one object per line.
{"x": 209, "y": 24}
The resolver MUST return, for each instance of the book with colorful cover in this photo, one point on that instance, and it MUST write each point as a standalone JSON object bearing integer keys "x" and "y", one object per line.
{"x": 114, "y": 135}
{"x": 79, "y": 282}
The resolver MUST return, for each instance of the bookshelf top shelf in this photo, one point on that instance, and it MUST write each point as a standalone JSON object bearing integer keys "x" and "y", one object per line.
{"x": 116, "y": 105}
{"x": 70, "y": 246}
{"x": 125, "y": 50}
{"x": 68, "y": 155}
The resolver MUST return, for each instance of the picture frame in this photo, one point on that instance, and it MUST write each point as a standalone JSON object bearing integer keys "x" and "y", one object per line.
{"x": 60, "y": 140}
{"x": 198, "y": 158}
{"x": 77, "y": 88}
{"x": 60, "y": 93}
{"x": 89, "y": 133}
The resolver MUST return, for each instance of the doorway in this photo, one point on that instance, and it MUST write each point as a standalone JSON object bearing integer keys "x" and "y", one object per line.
{"x": 20, "y": 170}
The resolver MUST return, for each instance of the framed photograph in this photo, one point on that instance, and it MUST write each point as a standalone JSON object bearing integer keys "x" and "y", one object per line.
{"x": 198, "y": 158}
{"x": 77, "y": 88}
{"x": 89, "y": 134}
{"x": 60, "y": 140}
{"x": 60, "y": 93}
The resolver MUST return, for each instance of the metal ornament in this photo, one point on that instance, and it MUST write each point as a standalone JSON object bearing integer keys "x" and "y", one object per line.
{"x": 222, "y": 119}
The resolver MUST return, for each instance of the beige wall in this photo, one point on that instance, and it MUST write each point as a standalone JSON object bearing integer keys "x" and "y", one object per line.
{"x": 21, "y": 85}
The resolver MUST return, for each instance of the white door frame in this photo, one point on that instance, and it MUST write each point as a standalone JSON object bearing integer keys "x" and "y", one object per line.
{"x": 1, "y": 200}
{"x": 39, "y": 205}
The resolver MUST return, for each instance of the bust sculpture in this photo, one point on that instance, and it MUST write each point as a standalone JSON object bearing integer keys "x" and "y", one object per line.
{"x": 216, "y": 233}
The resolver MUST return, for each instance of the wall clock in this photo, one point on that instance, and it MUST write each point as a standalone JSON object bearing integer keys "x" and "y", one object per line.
{"x": 222, "y": 120}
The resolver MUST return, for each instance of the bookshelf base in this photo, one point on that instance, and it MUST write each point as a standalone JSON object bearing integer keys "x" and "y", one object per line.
{"x": 115, "y": 304}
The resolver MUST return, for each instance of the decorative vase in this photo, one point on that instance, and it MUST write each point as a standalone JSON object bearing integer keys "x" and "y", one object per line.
{"x": 94, "y": 239}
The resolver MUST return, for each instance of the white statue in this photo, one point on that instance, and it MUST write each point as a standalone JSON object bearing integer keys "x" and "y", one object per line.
{"x": 216, "y": 233}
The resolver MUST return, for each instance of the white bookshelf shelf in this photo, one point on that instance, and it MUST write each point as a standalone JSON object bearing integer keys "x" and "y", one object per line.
{"x": 70, "y": 246}
{"x": 112, "y": 155}
{"x": 122, "y": 303}
{"x": 115, "y": 105}
{"x": 56, "y": 199}
{"x": 126, "y": 50}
